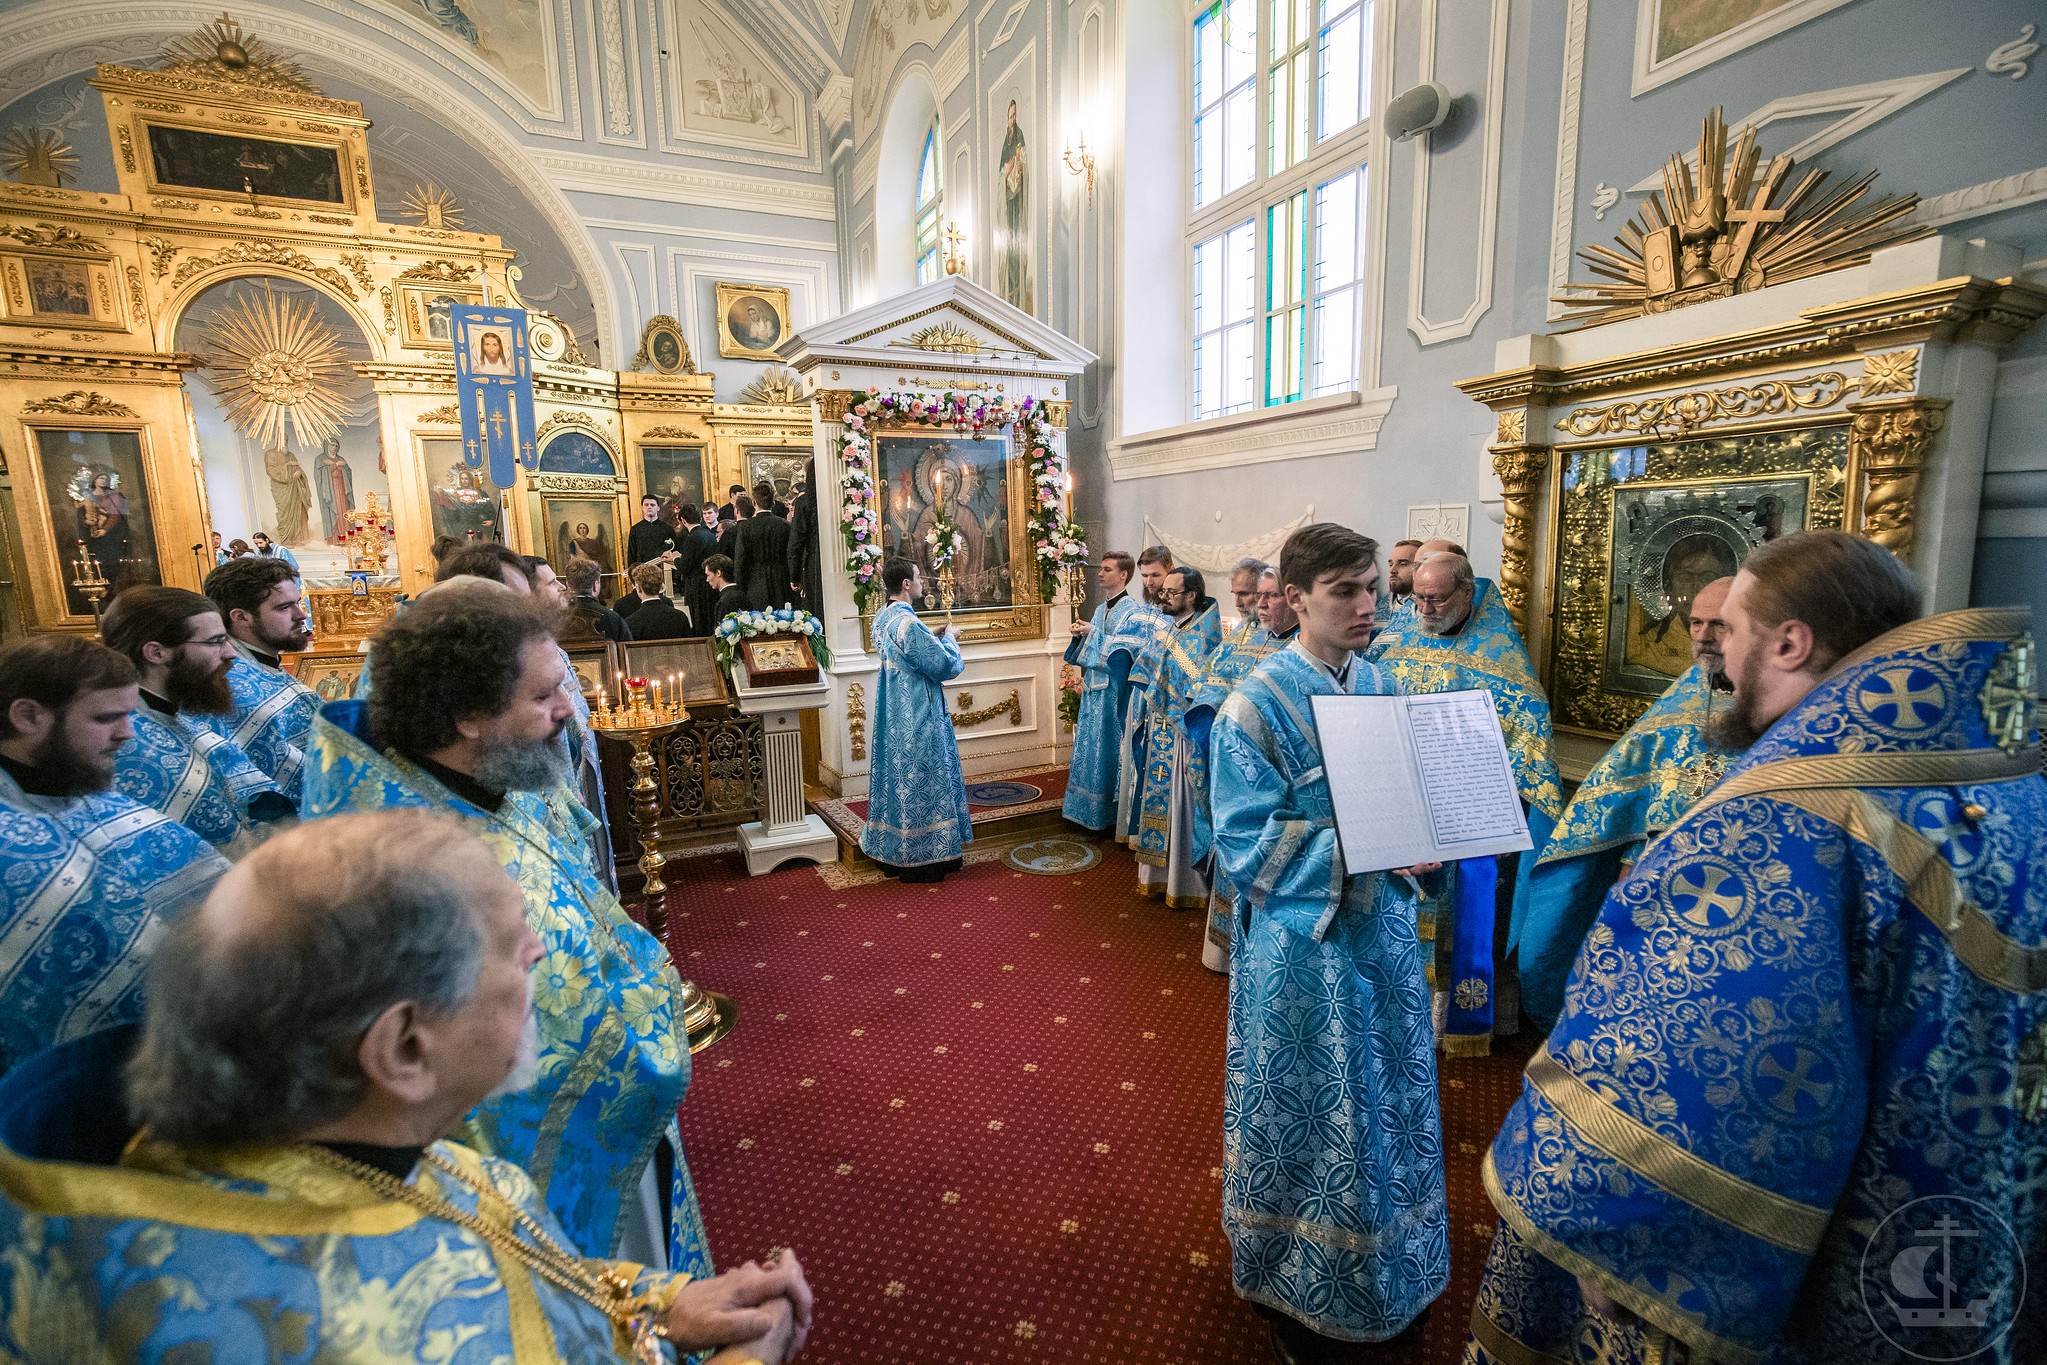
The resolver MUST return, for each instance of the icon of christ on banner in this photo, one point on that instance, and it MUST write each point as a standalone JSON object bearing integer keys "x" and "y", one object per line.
{"x": 494, "y": 390}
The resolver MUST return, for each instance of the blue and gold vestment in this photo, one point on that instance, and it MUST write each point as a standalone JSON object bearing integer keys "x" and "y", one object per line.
{"x": 1486, "y": 652}
{"x": 1138, "y": 636}
{"x": 273, "y": 715}
{"x": 1817, "y": 999}
{"x": 614, "y": 1058}
{"x": 1249, "y": 645}
{"x": 86, "y": 885}
{"x": 1098, "y": 731}
{"x": 916, "y": 798}
{"x": 157, "y": 1255}
{"x": 1164, "y": 843}
{"x": 186, "y": 766}
{"x": 1333, "y": 1195}
{"x": 1641, "y": 787}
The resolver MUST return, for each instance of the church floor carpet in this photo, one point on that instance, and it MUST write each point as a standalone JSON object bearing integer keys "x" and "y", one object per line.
{"x": 988, "y": 1115}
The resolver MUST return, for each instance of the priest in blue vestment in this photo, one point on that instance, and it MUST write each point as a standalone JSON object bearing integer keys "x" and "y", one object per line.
{"x": 264, "y": 610}
{"x": 1456, "y": 636}
{"x": 1643, "y": 785}
{"x": 1164, "y": 846}
{"x": 1140, "y": 634}
{"x": 1333, "y": 1193}
{"x": 88, "y": 877}
{"x": 1104, "y": 694}
{"x": 466, "y": 716}
{"x": 181, "y": 760}
{"x": 1792, "y": 1113}
{"x": 917, "y": 818}
{"x": 280, "y": 1185}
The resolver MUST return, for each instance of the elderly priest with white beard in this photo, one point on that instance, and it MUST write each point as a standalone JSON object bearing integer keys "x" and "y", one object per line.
{"x": 280, "y": 1184}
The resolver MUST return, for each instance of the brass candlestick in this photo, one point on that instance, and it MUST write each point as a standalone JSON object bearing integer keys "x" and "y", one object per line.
{"x": 1076, "y": 586}
{"x": 92, "y": 585}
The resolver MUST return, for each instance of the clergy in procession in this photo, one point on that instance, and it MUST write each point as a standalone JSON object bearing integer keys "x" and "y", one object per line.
{"x": 1792, "y": 1111}
{"x": 264, "y": 610}
{"x": 1104, "y": 696}
{"x": 1140, "y": 634}
{"x": 1650, "y": 777}
{"x": 1164, "y": 847}
{"x": 1333, "y": 1193}
{"x": 468, "y": 715}
{"x": 280, "y": 1184}
{"x": 1400, "y": 562}
{"x": 181, "y": 760}
{"x": 88, "y": 877}
{"x": 917, "y": 819}
{"x": 1458, "y": 637}
{"x": 1241, "y": 651}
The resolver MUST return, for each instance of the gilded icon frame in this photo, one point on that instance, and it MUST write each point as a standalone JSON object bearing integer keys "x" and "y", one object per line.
{"x": 735, "y": 346}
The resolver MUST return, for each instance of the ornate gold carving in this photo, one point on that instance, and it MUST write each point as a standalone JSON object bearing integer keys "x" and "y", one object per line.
{"x": 450, "y": 414}
{"x": 79, "y": 403}
{"x": 265, "y": 253}
{"x": 338, "y": 221}
{"x": 833, "y": 403}
{"x": 358, "y": 264}
{"x": 275, "y": 361}
{"x": 342, "y": 619}
{"x": 160, "y": 254}
{"x": 1512, "y": 427}
{"x": 1890, "y": 372}
{"x": 965, "y": 719}
{"x": 430, "y": 206}
{"x": 38, "y": 156}
{"x": 251, "y": 211}
{"x": 439, "y": 272}
{"x": 1520, "y": 471}
{"x": 1057, "y": 411}
{"x": 161, "y": 106}
{"x": 575, "y": 417}
{"x": 856, "y": 721}
{"x": 247, "y": 120}
{"x": 1889, "y": 441}
{"x": 127, "y": 144}
{"x": 327, "y": 128}
{"x": 51, "y": 237}
{"x": 777, "y": 386}
{"x": 136, "y": 297}
{"x": 949, "y": 337}
{"x": 188, "y": 205}
{"x": 1716, "y": 234}
{"x": 390, "y": 316}
{"x": 222, "y": 52}
{"x": 2007, "y": 696}
{"x": 670, "y": 434}
{"x": 1678, "y": 415}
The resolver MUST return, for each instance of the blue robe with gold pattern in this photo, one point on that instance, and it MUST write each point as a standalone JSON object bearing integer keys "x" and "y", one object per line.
{"x": 614, "y": 1058}
{"x": 273, "y": 715}
{"x": 916, "y": 798}
{"x": 186, "y": 766}
{"x": 1139, "y": 636}
{"x": 1642, "y": 786}
{"x": 1333, "y": 1195}
{"x": 1178, "y": 660}
{"x": 87, "y": 884}
{"x": 157, "y": 1255}
{"x": 1098, "y": 731}
{"x": 1811, "y": 1022}
{"x": 1249, "y": 645}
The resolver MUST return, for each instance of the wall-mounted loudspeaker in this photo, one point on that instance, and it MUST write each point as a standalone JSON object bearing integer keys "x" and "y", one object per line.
{"x": 1414, "y": 112}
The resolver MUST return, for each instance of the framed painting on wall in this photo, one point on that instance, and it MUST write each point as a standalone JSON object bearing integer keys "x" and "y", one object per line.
{"x": 594, "y": 670}
{"x": 674, "y": 474}
{"x": 331, "y": 673}
{"x": 703, "y": 684}
{"x": 1677, "y": 37}
{"x": 779, "y": 465}
{"x": 582, "y": 525}
{"x": 428, "y": 313}
{"x": 97, "y": 498}
{"x": 752, "y": 320}
{"x": 70, "y": 290}
{"x": 237, "y": 164}
{"x": 463, "y": 507}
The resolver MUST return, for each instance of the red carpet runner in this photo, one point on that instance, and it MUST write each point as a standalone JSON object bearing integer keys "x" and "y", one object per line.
{"x": 988, "y": 1115}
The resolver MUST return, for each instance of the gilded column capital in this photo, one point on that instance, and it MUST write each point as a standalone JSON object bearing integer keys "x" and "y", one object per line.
{"x": 1520, "y": 469}
{"x": 833, "y": 403}
{"x": 1889, "y": 441}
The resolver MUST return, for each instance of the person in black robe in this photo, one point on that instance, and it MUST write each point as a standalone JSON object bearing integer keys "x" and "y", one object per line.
{"x": 654, "y": 617}
{"x": 651, "y": 537}
{"x": 693, "y": 545}
{"x": 728, "y": 528}
{"x": 718, "y": 572}
{"x": 806, "y": 551}
{"x": 763, "y": 557}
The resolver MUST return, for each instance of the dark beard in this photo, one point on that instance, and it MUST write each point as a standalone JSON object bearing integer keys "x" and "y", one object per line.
{"x": 1738, "y": 727}
{"x": 525, "y": 765}
{"x": 193, "y": 686}
{"x": 290, "y": 644}
{"x": 68, "y": 772}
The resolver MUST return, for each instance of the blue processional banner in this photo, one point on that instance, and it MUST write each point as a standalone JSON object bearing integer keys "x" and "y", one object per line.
{"x": 494, "y": 390}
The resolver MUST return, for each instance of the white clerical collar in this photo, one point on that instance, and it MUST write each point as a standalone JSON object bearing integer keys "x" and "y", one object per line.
{"x": 1339, "y": 676}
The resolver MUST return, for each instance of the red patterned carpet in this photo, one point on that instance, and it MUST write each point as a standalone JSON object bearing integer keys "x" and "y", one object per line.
{"x": 988, "y": 1115}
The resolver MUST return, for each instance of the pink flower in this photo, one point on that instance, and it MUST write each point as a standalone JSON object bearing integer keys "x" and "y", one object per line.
{"x": 872, "y": 389}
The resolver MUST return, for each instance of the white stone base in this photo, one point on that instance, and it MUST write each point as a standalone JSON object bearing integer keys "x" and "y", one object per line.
{"x": 767, "y": 850}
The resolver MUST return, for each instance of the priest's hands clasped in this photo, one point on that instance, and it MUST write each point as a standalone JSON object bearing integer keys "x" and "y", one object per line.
{"x": 757, "y": 1312}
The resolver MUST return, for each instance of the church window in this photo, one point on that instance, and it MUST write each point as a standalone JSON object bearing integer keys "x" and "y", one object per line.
{"x": 1225, "y": 98}
{"x": 1343, "y": 77}
{"x": 1224, "y": 278}
{"x": 930, "y": 201}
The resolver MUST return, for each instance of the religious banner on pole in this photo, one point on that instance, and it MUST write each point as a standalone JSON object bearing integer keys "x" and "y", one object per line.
{"x": 494, "y": 390}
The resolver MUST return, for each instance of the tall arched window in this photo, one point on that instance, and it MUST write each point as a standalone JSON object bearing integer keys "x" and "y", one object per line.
{"x": 930, "y": 197}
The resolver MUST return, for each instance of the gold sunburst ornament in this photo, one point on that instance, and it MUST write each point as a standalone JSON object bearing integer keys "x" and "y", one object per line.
{"x": 37, "y": 156}
{"x": 1725, "y": 232}
{"x": 430, "y": 206}
{"x": 223, "y": 52}
{"x": 275, "y": 360}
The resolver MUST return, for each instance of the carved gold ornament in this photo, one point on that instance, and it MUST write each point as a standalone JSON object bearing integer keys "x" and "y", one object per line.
{"x": 1520, "y": 473}
{"x": 79, "y": 403}
{"x": 1681, "y": 413}
{"x": 1891, "y": 439}
{"x": 1512, "y": 427}
{"x": 51, "y": 237}
{"x": 359, "y": 266}
{"x": 778, "y": 385}
{"x": 1718, "y": 234}
{"x": 668, "y": 434}
{"x": 965, "y": 719}
{"x": 2007, "y": 696}
{"x": 266, "y": 253}
{"x": 273, "y": 361}
{"x": 449, "y": 414}
{"x": 223, "y": 52}
{"x": 38, "y": 156}
{"x": 439, "y": 272}
{"x": 1890, "y": 372}
{"x": 161, "y": 253}
{"x": 856, "y": 721}
{"x": 949, "y": 337}
{"x": 430, "y": 206}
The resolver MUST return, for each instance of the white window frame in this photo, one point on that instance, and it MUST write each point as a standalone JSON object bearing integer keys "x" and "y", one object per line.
{"x": 931, "y": 152}
{"x": 1361, "y": 144}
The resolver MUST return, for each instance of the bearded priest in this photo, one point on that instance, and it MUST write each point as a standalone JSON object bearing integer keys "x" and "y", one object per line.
{"x": 1164, "y": 844}
{"x": 1104, "y": 694}
{"x": 264, "y": 610}
{"x": 467, "y": 715}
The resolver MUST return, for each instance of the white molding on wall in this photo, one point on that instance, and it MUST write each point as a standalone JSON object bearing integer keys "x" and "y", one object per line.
{"x": 1338, "y": 424}
{"x": 617, "y": 54}
{"x": 1862, "y": 104}
{"x": 642, "y": 308}
{"x": 1992, "y": 196}
{"x": 952, "y": 64}
{"x": 687, "y": 141}
{"x": 1426, "y": 332}
{"x": 1091, "y": 231}
{"x": 1650, "y": 73}
{"x": 835, "y": 102}
{"x": 709, "y": 189}
{"x": 866, "y": 167}
{"x": 1564, "y": 211}
{"x": 824, "y": 248}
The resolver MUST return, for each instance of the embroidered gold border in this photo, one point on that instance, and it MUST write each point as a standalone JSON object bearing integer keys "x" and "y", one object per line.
{"x": 1919, "y": 768}
{"x": 1656, "y": 1311}
{"x": 1503, "y": 1346}
{"x": 532, "y": 1336}
{"x": 1971, "y": 623}
{"x": 1739, "y": 1203}
{"x": 1931, "y": 886}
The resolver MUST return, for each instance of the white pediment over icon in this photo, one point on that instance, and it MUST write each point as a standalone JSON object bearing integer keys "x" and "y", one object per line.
{"x": 952, "y": 324}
